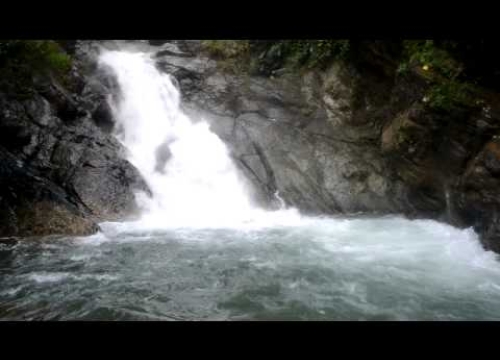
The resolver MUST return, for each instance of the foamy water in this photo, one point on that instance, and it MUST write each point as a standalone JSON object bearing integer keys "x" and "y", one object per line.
{"x": 323, "y": 269}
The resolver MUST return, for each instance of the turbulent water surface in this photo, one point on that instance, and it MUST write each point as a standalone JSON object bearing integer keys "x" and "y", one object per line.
{"x": 202, "y": 251}
{"x": 332, "y": 269}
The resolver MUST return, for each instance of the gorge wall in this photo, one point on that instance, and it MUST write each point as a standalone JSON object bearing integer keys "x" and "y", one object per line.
{"x": 60, "y": 170}
{"x": 354, "y": 136}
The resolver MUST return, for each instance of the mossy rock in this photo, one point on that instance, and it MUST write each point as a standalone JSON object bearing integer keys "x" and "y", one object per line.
{"x": 46, "y": 218}
{"x": 266, "y": 56}
{"x": 22, "y": 60}
{"x": 233, "y": 55}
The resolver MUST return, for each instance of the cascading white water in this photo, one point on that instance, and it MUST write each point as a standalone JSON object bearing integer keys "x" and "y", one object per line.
{"x": 188, "y": 168}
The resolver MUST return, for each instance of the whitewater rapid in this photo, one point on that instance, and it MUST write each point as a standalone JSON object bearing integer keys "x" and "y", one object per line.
{"x": 329, "y": 269}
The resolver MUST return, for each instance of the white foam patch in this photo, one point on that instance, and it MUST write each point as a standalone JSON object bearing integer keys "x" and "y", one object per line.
{"x": 46, "y": 277}
{"x": 96, "y": 239}
{"x": 84, "y": 257}
{"x": 12, "y": 291}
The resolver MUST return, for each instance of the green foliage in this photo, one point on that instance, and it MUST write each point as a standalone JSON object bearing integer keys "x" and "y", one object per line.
{"x": 450, "y": 95}
{"x": 241, "y": 55}
{"x": 20, "y": 60}
{"x": 447, "y": 91}
{"x": 310, "y": 53}
{"x": 226, "y": 48}
{"x": 426, "y": 53}
{"x": 403, "y": 67}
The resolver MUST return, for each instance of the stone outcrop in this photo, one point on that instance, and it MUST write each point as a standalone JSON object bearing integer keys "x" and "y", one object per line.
{"x": 355, "y": 137}
{"x": 61, "y": 171}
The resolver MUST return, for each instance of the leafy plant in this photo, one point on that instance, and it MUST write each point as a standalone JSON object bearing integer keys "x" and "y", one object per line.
{"x": 429, "y": 57}
{"x": 447, "y": 91}
{"x": 449, "y": 95}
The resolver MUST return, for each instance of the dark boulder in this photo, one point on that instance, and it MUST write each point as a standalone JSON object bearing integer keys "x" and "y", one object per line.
{"x": 61, "y": 169}
{"x": 30, "y": 205}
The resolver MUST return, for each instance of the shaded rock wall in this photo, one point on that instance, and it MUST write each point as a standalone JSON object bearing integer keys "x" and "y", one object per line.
{"x": 356, "y": 137}
{"x": 61, "y": 171}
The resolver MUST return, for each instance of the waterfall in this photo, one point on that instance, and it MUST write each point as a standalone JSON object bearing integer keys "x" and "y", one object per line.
{"x": 280, "y": 200}
{"x": 187, "y": 167}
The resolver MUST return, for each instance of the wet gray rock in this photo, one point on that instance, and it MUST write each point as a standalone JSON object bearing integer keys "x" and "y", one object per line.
{"x": 62, "y": 171}
{"x": 355, "y": 137}
{"x": 31, "y": 205}
{"x": 295, "y": 135}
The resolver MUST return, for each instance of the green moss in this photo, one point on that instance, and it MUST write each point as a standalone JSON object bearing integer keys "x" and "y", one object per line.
{"x": 226, "y": 48}
{"x": 244, "y": 55}
{"x": 233, "y": 55}
{"x": 310, "y": 53}
{"x": 55, "y": 58}
{"x": 20, "y": 60}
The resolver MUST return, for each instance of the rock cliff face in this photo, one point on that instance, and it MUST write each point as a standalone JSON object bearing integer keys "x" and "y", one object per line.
{"x": 354, "y": 137}
{"x": 60, "y": 171}
{"x": 295, "y": 134}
